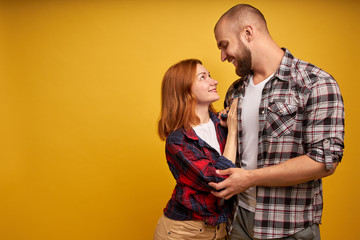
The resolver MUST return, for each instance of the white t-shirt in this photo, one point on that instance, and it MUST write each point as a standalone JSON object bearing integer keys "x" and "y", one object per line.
{"x": 250, "y": 126}
{"x": 207, "y": 132}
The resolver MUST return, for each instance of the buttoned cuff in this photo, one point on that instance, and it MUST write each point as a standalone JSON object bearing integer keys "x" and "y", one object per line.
{"x": 326, "y": 152}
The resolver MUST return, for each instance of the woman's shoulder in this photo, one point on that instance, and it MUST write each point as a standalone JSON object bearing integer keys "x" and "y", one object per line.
{"x": 175, "y": 136}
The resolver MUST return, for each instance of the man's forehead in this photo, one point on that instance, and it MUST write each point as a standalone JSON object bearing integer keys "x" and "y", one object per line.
{"x": 220, "y": 24}
{"x": 222, "y": 30}
{"x": 224, "y": 26}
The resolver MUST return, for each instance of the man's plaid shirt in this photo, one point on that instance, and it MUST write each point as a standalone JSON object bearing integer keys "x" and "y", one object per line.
{"x": 301, "y": 113}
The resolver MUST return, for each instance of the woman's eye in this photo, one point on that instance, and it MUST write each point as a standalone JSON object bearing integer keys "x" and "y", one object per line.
{"x": 202, "y": 78}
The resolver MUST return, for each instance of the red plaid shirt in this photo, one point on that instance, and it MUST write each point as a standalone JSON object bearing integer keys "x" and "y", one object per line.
{"x": 193, "y": 163}
{"x": 301, "y": 113}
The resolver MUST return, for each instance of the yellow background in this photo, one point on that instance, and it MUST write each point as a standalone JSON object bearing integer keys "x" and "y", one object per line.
{"x": 80, "y": 100}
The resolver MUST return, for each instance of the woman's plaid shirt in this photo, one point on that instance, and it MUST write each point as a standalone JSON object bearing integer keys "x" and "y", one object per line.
{"x": 301, "y": 113}
{"x": 193, "y": 163}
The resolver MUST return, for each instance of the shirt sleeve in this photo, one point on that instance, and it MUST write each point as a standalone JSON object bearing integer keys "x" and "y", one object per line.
{"x": 223, "y": 163}
{"x": 192, "y": 168}
{"x": 324, "y": 123}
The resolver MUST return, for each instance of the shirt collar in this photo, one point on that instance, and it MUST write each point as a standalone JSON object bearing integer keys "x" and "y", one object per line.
{"x": 191, "y": 133}
{"x": 284, "y": 70}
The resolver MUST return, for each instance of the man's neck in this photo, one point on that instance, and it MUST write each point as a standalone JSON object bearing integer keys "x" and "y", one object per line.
{"x": 268, "y": 62}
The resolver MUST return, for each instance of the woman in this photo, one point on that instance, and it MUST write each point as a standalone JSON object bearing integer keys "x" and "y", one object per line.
{"x": 195, "y": 148}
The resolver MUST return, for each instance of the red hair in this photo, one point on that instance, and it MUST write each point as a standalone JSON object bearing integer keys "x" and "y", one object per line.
{"x": 177, "y": 101}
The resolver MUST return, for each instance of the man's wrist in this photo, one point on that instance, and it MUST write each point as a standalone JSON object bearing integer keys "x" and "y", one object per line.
{"x": 254, "y": 177}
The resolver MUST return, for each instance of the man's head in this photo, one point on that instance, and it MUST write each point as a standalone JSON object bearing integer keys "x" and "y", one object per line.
{"x": 235, "y": 33}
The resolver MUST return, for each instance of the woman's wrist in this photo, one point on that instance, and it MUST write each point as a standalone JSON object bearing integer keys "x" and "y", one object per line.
{"x": 232, "y": 134}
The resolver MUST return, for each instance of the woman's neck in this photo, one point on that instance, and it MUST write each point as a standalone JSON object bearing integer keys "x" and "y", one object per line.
{"x": 202, "y": 111}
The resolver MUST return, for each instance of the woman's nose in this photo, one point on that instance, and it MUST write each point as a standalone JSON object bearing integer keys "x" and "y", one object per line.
{"x": 214, "y": 82}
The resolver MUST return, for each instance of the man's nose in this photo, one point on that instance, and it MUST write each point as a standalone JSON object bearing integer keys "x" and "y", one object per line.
{"x": 223, "y": 56}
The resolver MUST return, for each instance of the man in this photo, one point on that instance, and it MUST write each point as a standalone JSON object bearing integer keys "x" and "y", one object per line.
{"x": 291, "y": 132}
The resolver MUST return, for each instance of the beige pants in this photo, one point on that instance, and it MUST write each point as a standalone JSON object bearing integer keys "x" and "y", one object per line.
{"x": 188, "y": 230}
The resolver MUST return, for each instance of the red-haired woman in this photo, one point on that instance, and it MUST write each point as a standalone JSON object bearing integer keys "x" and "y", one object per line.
{"x": 195, "y": 148}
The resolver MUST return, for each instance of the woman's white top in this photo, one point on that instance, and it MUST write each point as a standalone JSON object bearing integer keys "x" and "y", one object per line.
{"x": 207, "y": 132}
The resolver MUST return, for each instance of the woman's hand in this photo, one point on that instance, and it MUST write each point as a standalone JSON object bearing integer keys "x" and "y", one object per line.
{"x": 232, "y": 118}
{"x": 229, "y": 115}
{"x": 232, "y": 123}
{"x": 222, "y": 115}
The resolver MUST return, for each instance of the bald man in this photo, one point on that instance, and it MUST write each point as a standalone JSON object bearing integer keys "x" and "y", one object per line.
{"x": 291, "y": 132}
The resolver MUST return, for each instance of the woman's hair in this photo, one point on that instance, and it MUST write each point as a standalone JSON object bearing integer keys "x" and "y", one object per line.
{"x": 177, "y": 101}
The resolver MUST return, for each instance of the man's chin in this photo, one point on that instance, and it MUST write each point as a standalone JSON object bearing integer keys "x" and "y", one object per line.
{"x": 242, "y": 73}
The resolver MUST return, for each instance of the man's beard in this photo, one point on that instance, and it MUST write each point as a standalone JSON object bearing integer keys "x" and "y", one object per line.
{"x": 244, "y": 62}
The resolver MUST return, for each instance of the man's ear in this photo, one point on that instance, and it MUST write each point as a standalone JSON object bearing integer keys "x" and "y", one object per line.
{"x": 249, "y": 33}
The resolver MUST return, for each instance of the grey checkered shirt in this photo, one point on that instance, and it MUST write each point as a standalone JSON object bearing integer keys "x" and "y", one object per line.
{"x": 301, "y": 113}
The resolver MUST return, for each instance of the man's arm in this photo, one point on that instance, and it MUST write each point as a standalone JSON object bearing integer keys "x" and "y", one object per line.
{"x": 294, "y": 171}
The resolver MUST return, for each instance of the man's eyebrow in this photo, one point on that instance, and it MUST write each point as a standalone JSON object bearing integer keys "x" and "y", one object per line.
{"x": 219, "y": 44}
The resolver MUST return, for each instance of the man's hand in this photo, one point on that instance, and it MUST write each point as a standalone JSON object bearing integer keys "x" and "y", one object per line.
{"x": 239, "y": 180}
{"x": 291, "y": 172}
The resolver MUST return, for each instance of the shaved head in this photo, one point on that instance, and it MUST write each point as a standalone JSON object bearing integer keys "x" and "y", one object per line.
{"x": 243, "y": 14}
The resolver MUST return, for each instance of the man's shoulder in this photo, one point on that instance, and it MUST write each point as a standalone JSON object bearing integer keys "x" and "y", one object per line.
{"x": 307, "y": 74}
{"x": 300, "y": 72}
{"x": 236, "y": 85}
{"x": 234, "y": 89}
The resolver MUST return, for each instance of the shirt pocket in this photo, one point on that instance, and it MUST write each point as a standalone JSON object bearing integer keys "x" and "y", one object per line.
{"x": 280, "y": 119}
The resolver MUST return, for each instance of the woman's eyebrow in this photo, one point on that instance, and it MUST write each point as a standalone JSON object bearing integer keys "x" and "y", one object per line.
{"x": 201, "y": 73}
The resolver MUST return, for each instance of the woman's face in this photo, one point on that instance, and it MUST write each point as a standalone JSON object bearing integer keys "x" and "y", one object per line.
{"x": 204, "y": 87}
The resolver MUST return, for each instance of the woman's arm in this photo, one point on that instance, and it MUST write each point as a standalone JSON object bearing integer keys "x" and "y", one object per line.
{"x": 191, "y": 167}
{"x": 232, "y": 124}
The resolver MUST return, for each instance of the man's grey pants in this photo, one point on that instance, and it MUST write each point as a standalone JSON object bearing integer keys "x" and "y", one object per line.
{"x": 244, "y": 223}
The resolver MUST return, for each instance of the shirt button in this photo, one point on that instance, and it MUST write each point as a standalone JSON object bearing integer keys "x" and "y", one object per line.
{"x": 326, "y": 141}
{"x": 262, "y": 112}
